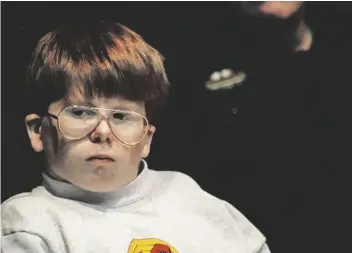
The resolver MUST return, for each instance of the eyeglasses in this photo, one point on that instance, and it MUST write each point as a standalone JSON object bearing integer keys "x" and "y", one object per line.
{"x": 76, "y": 122}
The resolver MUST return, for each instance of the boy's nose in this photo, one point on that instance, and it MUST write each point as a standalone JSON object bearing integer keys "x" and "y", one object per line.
{"x": 102, "y": 133}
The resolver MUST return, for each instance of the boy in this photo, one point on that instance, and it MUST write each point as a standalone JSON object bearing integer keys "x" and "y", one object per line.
{"x": 92, "y": 92}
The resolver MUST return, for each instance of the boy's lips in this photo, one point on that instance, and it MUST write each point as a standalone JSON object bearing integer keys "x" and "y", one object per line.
{"x": 100, "y": 158}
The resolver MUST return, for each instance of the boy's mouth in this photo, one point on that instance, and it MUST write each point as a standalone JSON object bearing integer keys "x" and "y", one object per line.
{"x": 100, "y": 158}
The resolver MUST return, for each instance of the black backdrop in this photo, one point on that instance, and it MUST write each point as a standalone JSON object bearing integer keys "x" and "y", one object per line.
{"x": 292, "y": 201}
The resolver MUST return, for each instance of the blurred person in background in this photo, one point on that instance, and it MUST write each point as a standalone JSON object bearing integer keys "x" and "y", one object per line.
{"x": 266, "y": 89}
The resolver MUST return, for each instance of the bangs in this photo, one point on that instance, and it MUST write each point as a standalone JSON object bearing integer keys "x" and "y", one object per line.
{"x": 133, "y": 84}
{"x": 108, "y": 61}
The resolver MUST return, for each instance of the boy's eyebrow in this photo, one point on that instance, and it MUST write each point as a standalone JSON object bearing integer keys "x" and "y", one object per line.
{"x": 116, "y": 107}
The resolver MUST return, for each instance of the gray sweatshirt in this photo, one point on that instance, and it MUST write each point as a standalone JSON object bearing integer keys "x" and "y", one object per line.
{"x": 157, "y": 212}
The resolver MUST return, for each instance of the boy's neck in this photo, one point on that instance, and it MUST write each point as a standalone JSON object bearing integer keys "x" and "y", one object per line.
{"x": 51, "y": 174}
{"x": 132, "y": 192}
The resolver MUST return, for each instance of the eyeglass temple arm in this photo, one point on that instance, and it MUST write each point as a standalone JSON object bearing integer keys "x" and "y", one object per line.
{"x": 51, "y": 115}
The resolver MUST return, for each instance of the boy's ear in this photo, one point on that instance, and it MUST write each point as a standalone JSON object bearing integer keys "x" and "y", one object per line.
{"x": 148, "y": 141}
{"x": 33, "y": 126}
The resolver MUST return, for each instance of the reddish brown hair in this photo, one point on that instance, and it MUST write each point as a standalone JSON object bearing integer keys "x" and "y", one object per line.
{"x": 102, "y": 58}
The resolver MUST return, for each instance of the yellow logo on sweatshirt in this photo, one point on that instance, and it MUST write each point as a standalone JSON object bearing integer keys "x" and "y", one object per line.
{"x": 150, "y": 246}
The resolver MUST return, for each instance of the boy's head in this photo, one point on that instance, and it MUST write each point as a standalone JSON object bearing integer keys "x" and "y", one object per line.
{"x": 92, "y": 90}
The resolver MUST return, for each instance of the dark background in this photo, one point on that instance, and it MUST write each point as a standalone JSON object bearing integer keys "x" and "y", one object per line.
{"x": 283, "y": 159}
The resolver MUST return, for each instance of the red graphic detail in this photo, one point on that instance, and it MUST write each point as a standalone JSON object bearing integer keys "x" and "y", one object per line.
{"x": 160, "y": 248}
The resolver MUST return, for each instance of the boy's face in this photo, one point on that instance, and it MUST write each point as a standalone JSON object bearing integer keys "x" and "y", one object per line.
{"x": 70, "y": 160}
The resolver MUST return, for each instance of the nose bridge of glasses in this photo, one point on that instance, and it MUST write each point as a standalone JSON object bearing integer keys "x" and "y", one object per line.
{"x": 103, "y": 126}
{"x": 103, "y": 113}
{"x": 106, "y": 115}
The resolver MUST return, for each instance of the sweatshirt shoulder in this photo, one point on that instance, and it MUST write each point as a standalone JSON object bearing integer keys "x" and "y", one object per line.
{"x": 37, "y": 214}
{"x": 176, "y": 179}
{"x": 178, "y": 185}
{"x": 26, "y": 211}
{"x": 27, "y": 201}
{"x": 186, "y": 196}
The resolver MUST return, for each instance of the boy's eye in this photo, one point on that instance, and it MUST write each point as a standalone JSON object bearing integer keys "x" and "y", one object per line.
{"x": 119, "y": 115}
{"x": 81, "y": 112}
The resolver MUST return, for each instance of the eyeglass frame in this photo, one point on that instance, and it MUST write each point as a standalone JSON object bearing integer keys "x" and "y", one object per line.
{"x": 148, "y": 126}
